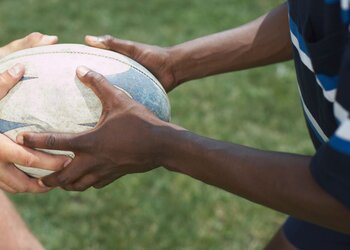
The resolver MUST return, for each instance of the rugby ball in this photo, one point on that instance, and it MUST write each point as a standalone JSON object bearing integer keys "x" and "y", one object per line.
{"x": 50, "y": 98}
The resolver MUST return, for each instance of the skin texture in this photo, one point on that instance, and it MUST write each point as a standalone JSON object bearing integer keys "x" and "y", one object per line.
{"x": 263, "y": 41}
{"x": 147, "y": 142}
{"x": 14, "y": 235}
{"x": 95, "y": 165}
{"x": 12, "y": 179}
{"x": 34, "y": 39}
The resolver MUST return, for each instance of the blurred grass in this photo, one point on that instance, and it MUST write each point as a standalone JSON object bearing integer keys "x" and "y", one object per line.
{"x": 161, "y": 210}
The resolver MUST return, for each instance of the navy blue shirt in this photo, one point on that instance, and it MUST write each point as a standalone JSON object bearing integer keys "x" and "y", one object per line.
{"x": 320, "y": 37}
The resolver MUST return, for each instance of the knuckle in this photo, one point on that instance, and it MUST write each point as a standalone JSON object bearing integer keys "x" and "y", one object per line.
{"x": 131, "y": 48}
{"x": 83, "y": 143}
{"x": 58, "y": 180}
{"x": 64, "y": 181}
{"x": 35, "y": 35}
{"x": 29, "y": 161}
{"x": 99, "y": 78}
{"x": 33, "y": 38}
{"x": 73, "y": 143}
{"x": 108, "y": 40}
{"x": 94, "y": 77}
{"x": 51, "y": 141}
{"x": 148, "y": 51}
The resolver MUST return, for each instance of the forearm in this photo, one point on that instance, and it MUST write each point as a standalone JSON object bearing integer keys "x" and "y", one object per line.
{"x": 14, "y": 234}
{"x": 263, "y": 41}
{"x": 278, "y": 180}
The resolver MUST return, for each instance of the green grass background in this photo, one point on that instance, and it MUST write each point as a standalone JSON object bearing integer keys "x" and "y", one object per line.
{"x": 162, "y": 210}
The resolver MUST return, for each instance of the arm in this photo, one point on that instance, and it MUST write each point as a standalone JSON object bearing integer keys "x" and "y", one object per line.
{"x": 277, "y": 180}
{"x": 263, "y": 41}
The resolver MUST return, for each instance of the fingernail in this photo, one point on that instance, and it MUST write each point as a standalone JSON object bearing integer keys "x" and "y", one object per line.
{"x": 16, "y": 70}
{"x": 67, "y": 163}
{"x": 20, "y": 139}
{"x": 82, "y": 71}
{"x": 95, "y": 39}
{"x": 48, "y": 39}
{"x": 41, "y": 184}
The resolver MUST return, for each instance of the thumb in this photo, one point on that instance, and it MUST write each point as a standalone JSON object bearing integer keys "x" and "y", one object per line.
{"x": 9, "y": 78}
{"x": 125, "y": 47}
{"x": 102, "y": 88}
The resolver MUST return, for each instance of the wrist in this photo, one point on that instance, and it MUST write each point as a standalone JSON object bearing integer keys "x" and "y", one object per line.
{"x": 179, "y": 149}
{"x": 178, "y": 63}
{"x": 168, "y": 145}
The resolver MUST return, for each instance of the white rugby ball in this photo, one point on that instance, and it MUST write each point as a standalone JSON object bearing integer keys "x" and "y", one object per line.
{"x": 50, "y": 98}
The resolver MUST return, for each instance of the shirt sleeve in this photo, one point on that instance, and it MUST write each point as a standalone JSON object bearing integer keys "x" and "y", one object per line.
{"x": 330, "y": 166}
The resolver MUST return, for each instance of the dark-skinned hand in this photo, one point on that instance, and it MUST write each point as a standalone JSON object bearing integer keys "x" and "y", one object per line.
{"x": 123, "y": 142}
{"x": 156, "y": 59}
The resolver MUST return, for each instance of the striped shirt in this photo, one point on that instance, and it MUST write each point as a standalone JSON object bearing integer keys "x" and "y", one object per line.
{"x": 321, "y": 40}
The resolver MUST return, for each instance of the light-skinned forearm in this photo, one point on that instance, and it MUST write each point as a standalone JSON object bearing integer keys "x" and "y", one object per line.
{"x": 263, "y": 41}
{"x": 280, "y": 181}
{"x": 14, "y": 234}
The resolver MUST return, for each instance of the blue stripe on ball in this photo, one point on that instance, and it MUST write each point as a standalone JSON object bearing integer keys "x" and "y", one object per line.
{"x": 6, "y": 126}
{"x": 143, "y": 90}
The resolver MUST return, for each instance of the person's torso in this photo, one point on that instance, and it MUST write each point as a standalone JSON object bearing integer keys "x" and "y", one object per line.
{"x": 318, "y": 37}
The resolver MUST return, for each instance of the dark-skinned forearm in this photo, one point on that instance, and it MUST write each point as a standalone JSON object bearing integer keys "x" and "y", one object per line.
{"x": 278, "y": 180}
{"x": 263, "y": 41}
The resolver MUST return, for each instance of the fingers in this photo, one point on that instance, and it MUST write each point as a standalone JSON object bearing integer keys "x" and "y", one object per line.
{"x": 100, "y": 86}
{"x": 83, "y": 183}
{"x": 125, "y": 47}
{"x": 96, "y": 82}
{"x": 9, "y": 78}
{"x": 95, "y": 41}
{"x": 90, "y": 180}
{"x": 105, "y": 182}
{"x": 78, "y": 168}
{"x": 84, "y": 172}
{"x": 34, "y": 39}
{"x": 7, "y": 188}
{"x": 96, "y": 179}
{"x": 15, "y": 153}
{"x": 65, "y": 142}
{"x": 15, "y": 181}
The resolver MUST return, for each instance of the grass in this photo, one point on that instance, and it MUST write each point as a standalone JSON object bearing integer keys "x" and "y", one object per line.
{"x": 161, "y": 210}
